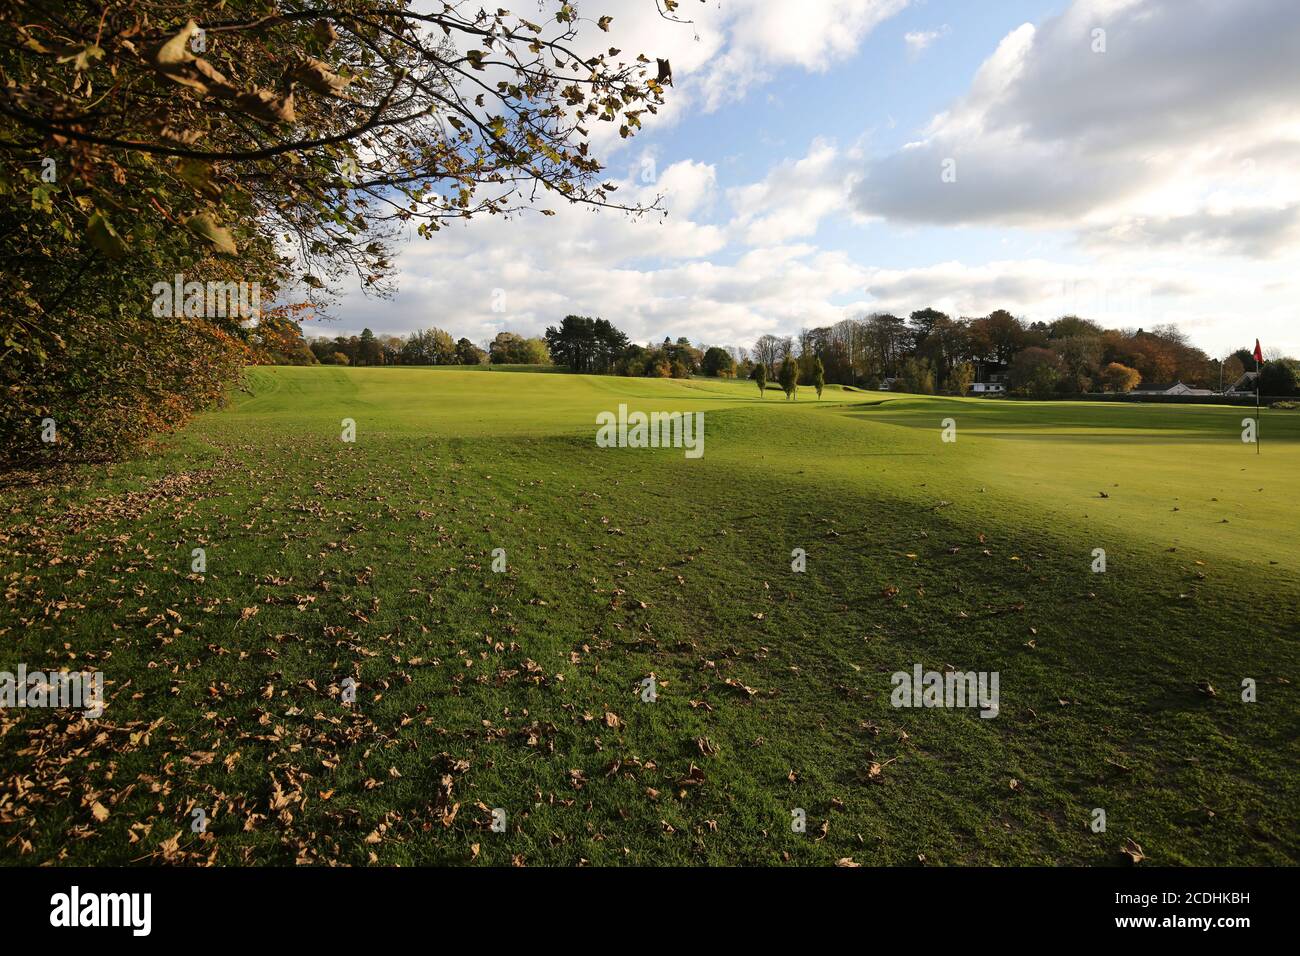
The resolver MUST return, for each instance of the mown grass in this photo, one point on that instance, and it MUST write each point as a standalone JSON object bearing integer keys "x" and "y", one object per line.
{"x": 521, "y": 690}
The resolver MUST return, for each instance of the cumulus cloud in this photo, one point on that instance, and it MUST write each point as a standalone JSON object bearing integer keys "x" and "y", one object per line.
{"x": 1111, "y": 112}
{"x": 794, "y": 197}
{"x": 1035, "y": 288}
{"x": 729, "y": 48}
{"x": 1256, "y": 232}
{"x": 651, "y": 275}
{"x": 918, "y": 41}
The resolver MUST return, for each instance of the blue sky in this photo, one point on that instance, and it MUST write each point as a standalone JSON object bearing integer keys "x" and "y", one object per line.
{"x": 1127, "y": 160}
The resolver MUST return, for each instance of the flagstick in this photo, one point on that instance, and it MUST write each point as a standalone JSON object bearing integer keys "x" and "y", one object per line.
{"x": 1258, "y": 375}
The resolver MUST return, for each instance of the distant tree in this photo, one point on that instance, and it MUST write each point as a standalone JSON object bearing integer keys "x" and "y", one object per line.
{"x": 766, "y": 351}
{"x": 718, "y": 362}
{"x": 818, "y": 376}
{"x": 886, "y": 340}
{"x": 391, "y": 347}
{"x": 442, "y": 347}
{"x": 682, "y": 351}
{"x": 369, "y": 352}
{"x": 760, "y": 378}
{"x": 467, "y": 353}
{"x": 1277, "y": 378}
{"x": 789, "y": 376}
{"x": 573, "y": 343}
{"x": 323, "y": 349}
{"x": 633, "y": 361}
{"x": 1071, "y": 326}
{"x": 680, "y": 370}
{"x": 511, "y": 349}
{"x": 1246, "y": 357}
{"x": 916, "y": 377}
{"x": 610, "y": 345}
{"x": 341, "y": 358}
{"x": 961, "y": 378}
{"x": 1119, "y": 378}
{"x": 505, "y": 349}
{"x": 1034, "y": 372}
{"x": 1231, "y": 371}
{"x": 997, "y": 337}
{"x": 535, "y": 353}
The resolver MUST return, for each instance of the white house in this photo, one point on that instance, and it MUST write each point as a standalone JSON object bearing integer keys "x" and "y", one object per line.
{"x": 990, "y": 378}
{"x": 1177, "y": 388}
{"x": 1244, "y": 385}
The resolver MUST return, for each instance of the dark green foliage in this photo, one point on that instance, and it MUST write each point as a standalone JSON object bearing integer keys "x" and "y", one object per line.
{"x": 789, "y": 377}
{"x": 1277, "y": 378}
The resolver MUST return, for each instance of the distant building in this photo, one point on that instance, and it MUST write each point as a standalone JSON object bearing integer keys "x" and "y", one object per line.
{"x": 1177, "y": 388}
{"x": 1244, "y": 385}
{"x": 990, "y": 379}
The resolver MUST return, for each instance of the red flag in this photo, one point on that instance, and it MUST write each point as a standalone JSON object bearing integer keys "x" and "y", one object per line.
{"x": 1259, "y": 353}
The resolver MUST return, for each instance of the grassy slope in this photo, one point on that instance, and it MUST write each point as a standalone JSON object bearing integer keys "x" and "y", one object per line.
{"x": 373, "y": 559}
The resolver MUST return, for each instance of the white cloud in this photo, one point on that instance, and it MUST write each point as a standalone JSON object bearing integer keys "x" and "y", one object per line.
{"x": 733, "y": 46}
{"x": 918, "y": 41}
{"x": 794, "y": 198}
{"x": 1160, "y": 128}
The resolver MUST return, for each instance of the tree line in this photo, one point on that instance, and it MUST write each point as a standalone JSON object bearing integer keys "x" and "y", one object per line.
{"x": 930, "y": 352}
{"x": 927, "y": 353}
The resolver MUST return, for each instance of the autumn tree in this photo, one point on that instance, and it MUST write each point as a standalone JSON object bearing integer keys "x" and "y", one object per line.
{"x": 1034, "y": 372}
{"x": 284, "y": 145}
{"x": 961, "y": 378}
{"x": 277, "y": 338}
{"x": 509, "y": 348}
{"x": 916, "y": 376}
{"x": 1119, "y": 378}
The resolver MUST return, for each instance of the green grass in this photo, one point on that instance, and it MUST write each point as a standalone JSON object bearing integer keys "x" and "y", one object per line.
{"x": 520, "y": 690}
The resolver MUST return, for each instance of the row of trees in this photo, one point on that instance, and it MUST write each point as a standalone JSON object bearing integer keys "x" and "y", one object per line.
{"x": 278, "y": 340}
{"x": 789, "y": 376}
{"x": 926, "y": 353}
{"x": 930, "y": 351}
{"x": 424, "y": 347}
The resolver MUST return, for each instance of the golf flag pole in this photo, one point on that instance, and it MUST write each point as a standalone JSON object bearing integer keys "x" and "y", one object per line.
{"x": 1259, "y": 373}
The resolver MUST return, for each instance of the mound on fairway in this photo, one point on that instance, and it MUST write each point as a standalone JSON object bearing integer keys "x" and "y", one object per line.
{"x": 472, "y": 636}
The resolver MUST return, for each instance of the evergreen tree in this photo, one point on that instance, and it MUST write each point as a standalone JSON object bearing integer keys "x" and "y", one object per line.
{"x": 789, "y": 376}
